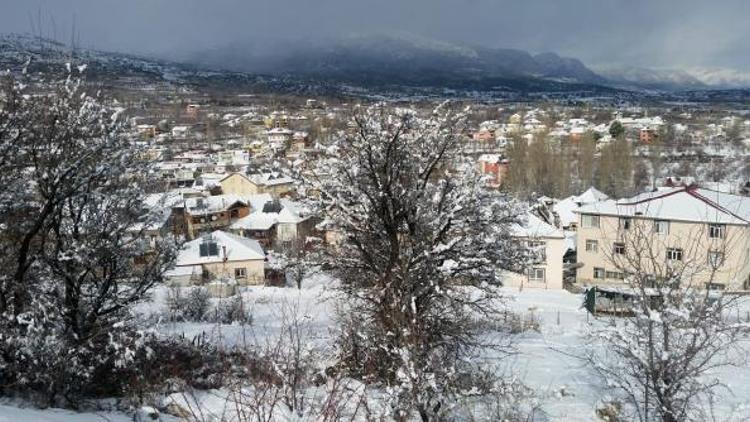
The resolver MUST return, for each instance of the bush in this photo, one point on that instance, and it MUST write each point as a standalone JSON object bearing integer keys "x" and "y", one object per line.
{"x": 177, "y": 364}
{"x": 230, "y": 311}
{"x": 40, "y": 361}
{"x": 196, "y": 307}
{"x": 192, "y": 307}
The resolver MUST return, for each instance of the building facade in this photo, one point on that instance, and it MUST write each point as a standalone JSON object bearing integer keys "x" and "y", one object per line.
{"x": 702, "y": 235}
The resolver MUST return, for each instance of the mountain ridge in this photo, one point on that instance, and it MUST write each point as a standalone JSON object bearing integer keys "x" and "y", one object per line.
{"x": 407, "y": 56}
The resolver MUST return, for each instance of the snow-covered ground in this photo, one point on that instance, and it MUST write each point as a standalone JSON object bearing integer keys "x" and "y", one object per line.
{"x": 548, "y": 360}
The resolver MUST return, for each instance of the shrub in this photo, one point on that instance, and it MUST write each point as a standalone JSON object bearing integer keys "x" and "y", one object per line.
{"x": 191, "y": 307}
{"x": 196, "y": 306}
{"x": 230, "y": 311}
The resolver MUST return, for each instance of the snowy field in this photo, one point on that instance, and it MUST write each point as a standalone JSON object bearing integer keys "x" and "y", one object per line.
{"x": 547, "y": 360}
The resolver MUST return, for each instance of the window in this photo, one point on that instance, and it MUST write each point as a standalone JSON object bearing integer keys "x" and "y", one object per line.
{"x": 674, "y": 254}
{"x": 536, "y": 274}
{"x": 598, "y": 272}
{"x": 661, "y": 227}
{"x": 592, "y": 246}
{"x": 625, "y": 223}
{"x": 717, "y": 231}
{"x": 589, "y": 221}
{"x": 715, "y": 259}
{"x": 615, "y": 275}
{"x": 208, "y": 248}
{"x": 240, "y": 273}
{"x": 618, "y": 248}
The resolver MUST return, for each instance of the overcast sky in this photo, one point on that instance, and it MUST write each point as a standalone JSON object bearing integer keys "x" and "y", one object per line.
{"x": 657, "y": 33}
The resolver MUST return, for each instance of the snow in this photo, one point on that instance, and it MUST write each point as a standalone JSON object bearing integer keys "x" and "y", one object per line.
{"x": 564, "y": 210}
{"x": 547, "y": 361}
{"x": 9, "y": 413}
{"x": 535, "y": 227}
{"x": 590, "y": 196}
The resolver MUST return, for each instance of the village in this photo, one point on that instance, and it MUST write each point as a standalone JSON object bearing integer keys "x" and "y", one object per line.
{"x": 335, "y": 211}
{"x": 232, "y": 185}
{"x": 227, "y": 177}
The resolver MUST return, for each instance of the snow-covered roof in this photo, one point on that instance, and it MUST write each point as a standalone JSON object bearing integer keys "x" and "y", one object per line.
{"x": 233, "y": 247}
{"x": 565, "y": 208}
{"x": 280, "y": 131}
{"x": 258, "y": 200}
{"x": 590, "y": 196}
{"x": 211, "y": 204}
{"x": 255, "y": 221}
{"x": 490, "y": 158}
{"x": 263, "y": 219}
{"x": 536, "y": 227}
{"x": 565, "y": 211}
{"x": 292, "y": 213}
{"x": 682, "y": 203}
{"x": 269, "y": 179}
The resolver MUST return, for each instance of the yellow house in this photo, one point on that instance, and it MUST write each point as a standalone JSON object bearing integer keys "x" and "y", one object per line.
{"x": 222, "y": 255}
{"x": 703, "y": 233}
{"x": 274, "y": 184}
{"x": 238, "y": 184}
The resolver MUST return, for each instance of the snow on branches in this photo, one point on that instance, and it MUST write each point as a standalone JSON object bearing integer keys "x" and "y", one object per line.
{"x": 422, "y": 245}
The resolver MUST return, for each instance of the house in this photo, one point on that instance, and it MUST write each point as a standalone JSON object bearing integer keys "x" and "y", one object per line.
{"x": 280, "y": 138}
{"x": 197, "y": 215}
{"x": 218, "y": 255}
{"x": 647, "y": 135}
{"x": 300, "y": 141}
{"x": 147, "y": 131}
{"x": 258, "y": 225}
{"x": 277, "y": 223}
{"x": 275, "y": 184}
{"x": 547, "y": 245}
{"x": 705, "y": 232}
{"x": 484, "y": 135}
{"x": 293, "y": 223}
{"x": 495, "y": 166}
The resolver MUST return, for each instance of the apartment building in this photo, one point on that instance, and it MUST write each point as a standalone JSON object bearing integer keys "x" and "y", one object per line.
{"x": 702, "y": 233}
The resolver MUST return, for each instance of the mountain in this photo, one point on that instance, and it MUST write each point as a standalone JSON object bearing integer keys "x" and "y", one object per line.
{"x": 565, "y": 67}
{"x": 675, "y": 79}
{"x": 721, "y": 78}
{"x": 40, "y": 56}
{"x": 659, "y": 79}
{"x": 395, "y": 59}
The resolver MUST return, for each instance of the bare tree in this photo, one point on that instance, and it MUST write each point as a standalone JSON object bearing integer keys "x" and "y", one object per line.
{"x": 423, "y": 245}
{"x": 661, "y": 359}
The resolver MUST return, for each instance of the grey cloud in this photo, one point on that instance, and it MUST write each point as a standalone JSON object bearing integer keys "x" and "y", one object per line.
{"x": 663, "y": 33}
